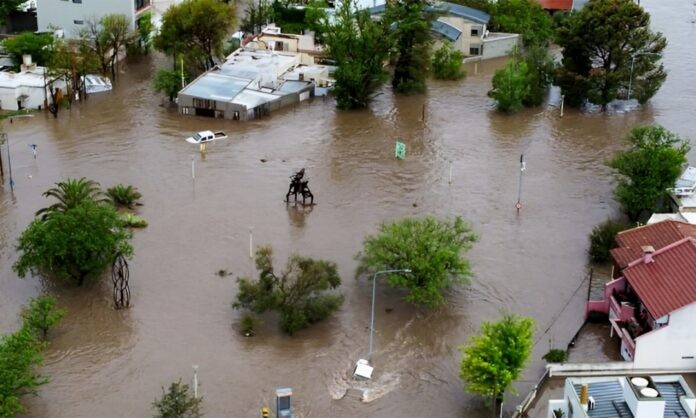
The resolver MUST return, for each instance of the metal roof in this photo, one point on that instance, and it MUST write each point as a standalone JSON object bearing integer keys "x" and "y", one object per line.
{"x": 668, "y": 282}
{"x": 449, "y": 8}
{"x": 657, "y": 235}
{"x": 215, "y": 86}
{"x": 556, "y": 4}
{"x": 671, "y": 392}
{"x": 605, "y": 393}
{"x": 446, "y": 30}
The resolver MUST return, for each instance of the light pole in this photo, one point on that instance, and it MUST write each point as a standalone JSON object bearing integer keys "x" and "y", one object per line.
{"x": 633, "y": 61}
{"x": 372, "y": 315}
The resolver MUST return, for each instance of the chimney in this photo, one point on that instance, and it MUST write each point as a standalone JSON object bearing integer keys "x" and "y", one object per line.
{"x": 648, "y": 251}
{"x": 26, "y": 63}
{"x": 584, "y": 396}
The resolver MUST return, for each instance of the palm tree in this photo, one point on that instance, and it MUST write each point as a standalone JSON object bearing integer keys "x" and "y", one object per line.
{"x": 71, "y": 193}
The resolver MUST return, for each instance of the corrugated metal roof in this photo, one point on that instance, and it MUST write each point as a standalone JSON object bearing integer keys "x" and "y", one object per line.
{"x": 458, "y": 10}
{"x": 670, "y": 392}
{"x": 605, "y": 393}
{"x": 657, "y": 235}
{"x": 446, "y": 30}
{"x": 668, "y": 282}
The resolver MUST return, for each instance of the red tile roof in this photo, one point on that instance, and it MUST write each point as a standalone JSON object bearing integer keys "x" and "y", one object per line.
{"x": 556, "y": 4}
{"x": 657, "y": 235}
{"x": 669, "y": 281}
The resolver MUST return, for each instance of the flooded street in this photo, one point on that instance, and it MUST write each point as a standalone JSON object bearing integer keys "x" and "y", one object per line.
{"x": 107, "y": 363}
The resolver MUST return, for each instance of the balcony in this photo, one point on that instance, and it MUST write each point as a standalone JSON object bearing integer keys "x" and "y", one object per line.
{"x": 622, "y": 311}
{"x": 628, "y": 344}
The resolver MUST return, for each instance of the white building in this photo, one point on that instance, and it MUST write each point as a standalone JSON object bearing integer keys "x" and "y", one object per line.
{"x": 623, "y": 397}
{"x": 26, "y": 89}
{"x": 72, "y": 16}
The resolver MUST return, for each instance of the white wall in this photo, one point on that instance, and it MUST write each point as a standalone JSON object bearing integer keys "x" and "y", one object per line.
{"x": 8, "y": 99}
{"x": 64, "y": 13}
{"x": 666, "y": 347}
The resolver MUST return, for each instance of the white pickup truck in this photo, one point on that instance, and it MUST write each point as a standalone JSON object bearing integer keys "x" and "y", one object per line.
{"x": 205, "y": 136}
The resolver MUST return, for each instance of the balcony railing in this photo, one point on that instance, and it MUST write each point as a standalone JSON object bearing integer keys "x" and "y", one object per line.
{"x": 622, "y": 311}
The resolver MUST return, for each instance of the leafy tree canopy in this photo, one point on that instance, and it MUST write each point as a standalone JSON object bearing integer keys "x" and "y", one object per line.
{"x": 42, "y": 315}
{"x": 525, "y": 17}
{"x": 299, "y": 293}
{"x": 76, "y": 244}
{"x": 511, "y": 86}
{"x": 168, "y": 82}
{"x": 495, "y": 357}
{"x": 651, "y": 165}
{"x": 357, "y": 44}
{"x": 431, "y": 248}
{"x": 178, "y": 402}
{"x": 196, "y": 30}
{"x": 40, "y": 47}
{"x": 600, "y": 43}
{"x": 410, "y": 42}
{"x": 447, "y": 63}
{"x": 70, "y": 193}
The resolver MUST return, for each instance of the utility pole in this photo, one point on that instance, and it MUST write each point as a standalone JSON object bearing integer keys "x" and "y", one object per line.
{"x": 523, "y": 166}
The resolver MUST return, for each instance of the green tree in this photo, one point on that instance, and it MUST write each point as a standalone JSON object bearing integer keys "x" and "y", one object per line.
{"x": 603, "y": 239}
{"x": 431, "y": 248}
{"x": 299, "y": 293}
{"x": 358, "y": 45}
{"x": 495, "y": 357}
{"x": 540, "y": 67}
{"x": 411, "y": 44}
{"x": 599, "y": 44}
{"x": 146, "y": 30}
{"x": 7, "y": 7}
{"x": 525, "y": 17}
{"x": 39, "y": 46}
{"x": 256, "y": 16}
{"x": 124, "y": 196}
{"x": 77, "y": 244}
{"x": 42, "y": 315}
{"x": 511, "y": 86}
{"x": 107, "y": 39}
{"x": 196, "y": 30}
{"x": 177, "y": 402}
{"x": 447, "y": 63}
{"x": 70, "y": 193}
{"x": 168, "y": 82}
{"x": 650, "y": 166}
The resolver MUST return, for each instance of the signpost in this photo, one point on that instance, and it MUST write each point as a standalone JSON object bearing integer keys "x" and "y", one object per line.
{"x": 400, "y": 150}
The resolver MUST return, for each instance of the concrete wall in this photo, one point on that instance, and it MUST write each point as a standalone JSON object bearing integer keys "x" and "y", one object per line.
{"x": 64, "y": 13}
{"x": 466, "y": 40}
{"x": 494, "y": 47}
{"x": 672, "y": 346}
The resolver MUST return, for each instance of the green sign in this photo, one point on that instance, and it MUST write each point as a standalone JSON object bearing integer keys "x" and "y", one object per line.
{"x": 400, "y": 150}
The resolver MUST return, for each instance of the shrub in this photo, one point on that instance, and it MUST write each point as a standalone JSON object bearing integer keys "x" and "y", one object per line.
{"x": 125, "y": 196}
{"x": 249, "y": 323}
{"x": 603, "y": 239}
{"x": 133, "y": 221}
{"x": 177, "y": 402}
{"x": 41, "y": 314}
{"x": 556, "y": 355}
{"x": 447, "y": 63}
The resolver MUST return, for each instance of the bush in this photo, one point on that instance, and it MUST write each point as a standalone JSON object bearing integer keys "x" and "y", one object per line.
{"x": 125, "y": 196}
{"x": 177, "y": 402}
{"x": 447, "y": 63}
{"x": 41, "y": 314}
{"x": 603, "y": 239}
{"x": 133, "y": 221}
{"x": 431, "y": 248}
{"x": 556, "y": 355}
{"x": 248, "y": 323}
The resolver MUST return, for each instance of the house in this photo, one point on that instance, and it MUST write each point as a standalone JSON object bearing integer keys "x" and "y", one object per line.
{"x": 652, "y": 306}
{"x": 466, "y": 29}
{"x": 73, "y": 16}
{"x": 264, "y": 75}
{"x": 624, "y": 397}
{"x": 682, "y": 199}
{"x": 26, "y": 89}
{"x": 630, "y": 243}
{"x": 562, "y": 5}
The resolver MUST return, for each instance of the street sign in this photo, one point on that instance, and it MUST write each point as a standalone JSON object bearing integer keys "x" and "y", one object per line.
{"x": 400, "y": 150}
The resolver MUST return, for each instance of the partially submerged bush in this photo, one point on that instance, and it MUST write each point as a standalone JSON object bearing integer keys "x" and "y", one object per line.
{"x": 603, "y": 239}
{"x": 556, "y": 355}
{"x": 177, "y": 402}
{"x": 125, "y": 196}
{"x": 133, "y": 221}
{"x": 447, "y": 63}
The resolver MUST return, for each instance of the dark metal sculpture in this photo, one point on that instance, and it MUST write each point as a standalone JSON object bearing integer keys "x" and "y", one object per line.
{"x": 299, "y": 186}
{"x": 119, "y": 276}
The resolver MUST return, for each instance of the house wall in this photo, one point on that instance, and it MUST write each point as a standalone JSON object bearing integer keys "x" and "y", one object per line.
{"x": 466, "y": 40}
{"x": 8, "y": 98}
{"x": 499, "y": 46}
{"x": 672, "y": 346}
{"x": 64, "y": 13}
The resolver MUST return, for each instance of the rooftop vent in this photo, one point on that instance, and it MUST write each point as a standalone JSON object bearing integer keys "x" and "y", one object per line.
{"x": 648, "y": 251}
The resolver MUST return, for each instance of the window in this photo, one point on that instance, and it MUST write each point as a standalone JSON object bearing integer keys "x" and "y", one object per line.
{"x": 77, "y": 1}
{"x": 79, "y": 22}
{"x": 474, "y": 32}
{"x": 474, "y": 50}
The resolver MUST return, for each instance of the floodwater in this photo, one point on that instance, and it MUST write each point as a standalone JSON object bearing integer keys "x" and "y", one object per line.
{"x": 107, "y": 363}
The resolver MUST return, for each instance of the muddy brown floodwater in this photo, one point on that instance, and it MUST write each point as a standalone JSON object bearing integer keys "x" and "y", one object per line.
{"x": 107, "y": 363}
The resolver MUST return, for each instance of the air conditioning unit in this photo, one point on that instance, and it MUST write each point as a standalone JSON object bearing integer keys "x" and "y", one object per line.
{"x": 590, "y": 403}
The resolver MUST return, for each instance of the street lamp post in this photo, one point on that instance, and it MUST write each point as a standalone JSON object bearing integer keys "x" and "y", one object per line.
{"x": 633, "y": 61}
{"x": 372, "y": 315}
